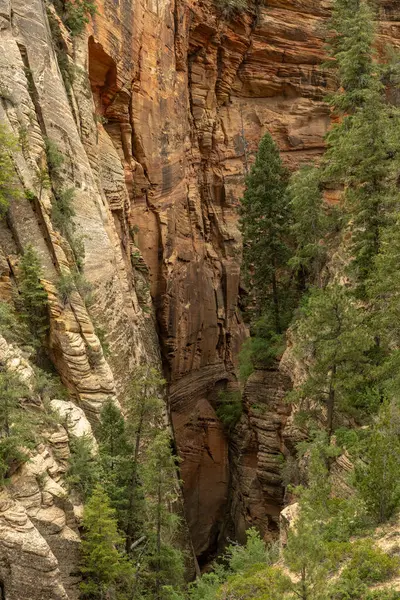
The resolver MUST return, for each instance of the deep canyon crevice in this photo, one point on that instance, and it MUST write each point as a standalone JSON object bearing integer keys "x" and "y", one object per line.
{"x": 164, "y": 109}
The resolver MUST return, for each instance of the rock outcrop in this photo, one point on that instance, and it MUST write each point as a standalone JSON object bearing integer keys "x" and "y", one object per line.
{"x": 158, "y": 109}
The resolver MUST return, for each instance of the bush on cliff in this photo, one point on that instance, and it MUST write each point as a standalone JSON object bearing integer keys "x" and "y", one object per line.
{"x": 8, "y": 144}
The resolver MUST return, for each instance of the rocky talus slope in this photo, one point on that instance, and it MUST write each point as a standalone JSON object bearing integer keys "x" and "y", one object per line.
{"x": 158, "y": 109}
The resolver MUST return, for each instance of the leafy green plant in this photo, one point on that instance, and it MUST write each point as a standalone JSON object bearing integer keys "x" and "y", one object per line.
{"x": 82, "y": 474}
{"x": 8, "y": 189}
{"x": 77, "y": 14}
{"x": 70, "y": 282}
{"x": 103, "y": 567}
{"x": 376, "y": 473}
{"x": 229, "y": 408}
{"x": 55, "y": 158}
{"x": 12, "y": 327}
{"x": 35, "y": 310}
{"x": 17, "y": 430}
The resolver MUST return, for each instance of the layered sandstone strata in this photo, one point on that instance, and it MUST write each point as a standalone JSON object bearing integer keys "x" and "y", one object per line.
{"x": 159, "y": 124}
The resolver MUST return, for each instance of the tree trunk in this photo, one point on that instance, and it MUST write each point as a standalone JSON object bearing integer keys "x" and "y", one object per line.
{"x": 159, "y": 500}
{"x": 275, "y": 298}
{"x": 331, "y": 404}
{"x": 130, "y": 529}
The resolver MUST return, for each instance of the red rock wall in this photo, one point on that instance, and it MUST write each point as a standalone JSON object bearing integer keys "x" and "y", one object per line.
{"x": 187, "y": 97}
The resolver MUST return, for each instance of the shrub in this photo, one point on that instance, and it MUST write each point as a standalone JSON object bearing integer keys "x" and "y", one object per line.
{"x": 16, "y": 430}
{"x": 74, "y": 281}
{"x": 54, "y": 157}
{"x": 34, "y": 297}
{"x": 77, "y": 13}
{"x": 65, "y": 286}
{"x": 12, "y": 327}
{"x": 229, "y": 409}
{"x": 368, "y": 566}
{"x": 8, "y": 144}
{"x": 255, "y": 552}
{"x": 82, "y": 473}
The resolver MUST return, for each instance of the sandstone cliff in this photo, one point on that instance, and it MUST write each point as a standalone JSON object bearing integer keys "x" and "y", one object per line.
{"x": 158, "y": 109}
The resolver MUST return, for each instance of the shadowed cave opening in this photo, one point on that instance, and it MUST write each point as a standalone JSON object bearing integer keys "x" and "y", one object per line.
{"x": 102, "y": 76}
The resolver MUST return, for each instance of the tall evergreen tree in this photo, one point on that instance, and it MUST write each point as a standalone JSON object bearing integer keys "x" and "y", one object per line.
{"x": 159, "y": 474}
{"x": 34, "y": 297}
{"x": 332, "y": 338}
{"x": 16, "y": 427}
{"x": 363, "y": 148}
{"x": 103, "y": 566}
{"x": 144, "y": 416}
{"x": 377, "y": 471}
{"x": 312, "y": 220}
{"x": 265, "y": 227}
{"x": 8, "y": 189}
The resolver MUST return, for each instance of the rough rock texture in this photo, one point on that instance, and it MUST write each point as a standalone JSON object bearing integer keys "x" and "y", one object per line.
{"x": 158, "y": 126}
{"x": 39, "y": 541}
{"x": 259, "y": 448}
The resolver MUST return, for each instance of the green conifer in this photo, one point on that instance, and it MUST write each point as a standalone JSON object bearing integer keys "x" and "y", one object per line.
{"x": 103, "y": 566}
{"x": 265, "y": 227}
{"x": 33, "y": 296}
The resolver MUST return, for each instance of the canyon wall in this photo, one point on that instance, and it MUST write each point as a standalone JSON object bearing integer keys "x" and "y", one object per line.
{"x": 158, "y": 109}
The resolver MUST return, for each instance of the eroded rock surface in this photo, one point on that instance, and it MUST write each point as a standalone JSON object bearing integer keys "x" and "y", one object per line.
{"x": 158, "y": 126}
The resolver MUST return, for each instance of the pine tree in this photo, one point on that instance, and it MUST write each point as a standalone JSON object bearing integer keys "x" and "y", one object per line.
{"x": 159, "y": 475}
{"x": 115, "y": 460}
{"x": 312, "y": 220}
{"x": 377, "y": 471}
{"x": 265, "y": 227}
{"x": 351, "y": 48}
{"x": 83, "y": 469}
{"x": 8, "y": 189}
{"x": 103, "y": 566}
{"x": 332, "y": 338}
{"x": 16, "y": 427}
{"x": 34, "y": 297}
{"x": 144, "y": 415}
{"x": 363, "y": 148}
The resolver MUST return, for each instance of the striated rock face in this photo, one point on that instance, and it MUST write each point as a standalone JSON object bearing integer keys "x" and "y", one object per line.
{"x": 158, "y": 124}
{"x": 260, "y": 447}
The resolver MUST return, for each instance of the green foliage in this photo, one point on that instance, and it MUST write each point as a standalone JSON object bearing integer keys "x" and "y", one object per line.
{"x": 139, "y": 471}
{"x": 255, "y": 552}
{"x": 14, "y": 329}
{"x": 66, "y": 69}
{"x": 370, "y": 124}
{"x": 77, "y": 14}
{"x": 377, "y": 471}
{"x": 115, "y": 460}
{"x": 102, "y": 335}
{"x": 367, "y": 566}
{"x": 257, "y": 583}
{"x": 17, "y": 432}
{"x": 265, "y": 228}
{"x": 55, "y": 158}
{"x": 311, "y": 222}
{"x": 71, "y": 282}
{"x": 229, "y": 408}
{"x": 229, "y": 9}
{"x": 332, "y": 333}
{"x": 8, "y": 144}
{"x": 33, "y": 296}
{"x": 386, "y": 594}
{"x": 62, "y": 215}
{"x": 82, "y": 474}
{"x": 205, "y": 587}
{"x": 351, "y": 48}
{"x": 103, "y": 566}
